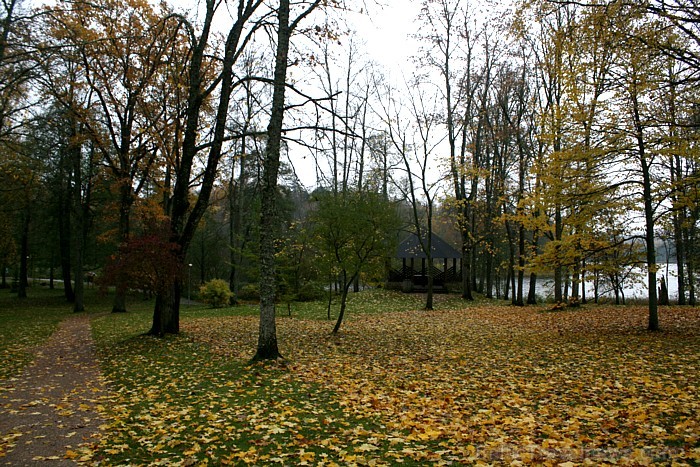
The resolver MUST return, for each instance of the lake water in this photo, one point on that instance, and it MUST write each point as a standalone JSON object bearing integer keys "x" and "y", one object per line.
{"x": 632, "y": 289}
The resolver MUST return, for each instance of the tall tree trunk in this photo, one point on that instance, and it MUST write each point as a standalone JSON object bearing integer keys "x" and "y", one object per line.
{"x": 466, "y": 269}
{"x": 583, "y": 282}
{"x": 79, "y": 304}
{"x": 532, "y": 290}
{"x": 64, "y": 242}
{"x": 81, "y": 212}
{"x": 267, "y": 337}
{"x": 576, "y": 281}
{"x": 488, "y": 275}
{"x": 166, "y": 311}
{"x": 676, "y": 173}
{"x": 648, "y": 214}
{"x": 692, "y": 301}
{"x": 232, "y": 232}
{"x": 691, "y": 239}
{"x": 680, "y": 256}
{"x": 521, "y": 264}
{"x": 184, "y": 216}
{"x": 237, "y": 208}
{"x": 558, "y": 269}
{"x": 429, "y": 262}
{"x": 125, "y": 202}
{"x": 511, "y": 263}
{"x": 343, "y": 299}
{"x": 24, "y": 255}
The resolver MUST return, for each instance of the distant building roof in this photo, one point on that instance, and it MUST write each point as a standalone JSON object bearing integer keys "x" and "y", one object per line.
{"x": 410, "y": 248}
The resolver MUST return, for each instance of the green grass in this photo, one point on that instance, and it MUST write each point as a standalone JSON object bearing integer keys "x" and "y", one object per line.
{"x": 366, "y": 302}
{"x": 397, "y": 386}
{"x": 174, "y": 399}
{"x": 25, "y": 324}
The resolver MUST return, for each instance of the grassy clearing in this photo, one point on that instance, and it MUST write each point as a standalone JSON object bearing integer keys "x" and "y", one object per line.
{"x": 398, "y": 386}
{"x": 26, "y": 323}
{"x": 401, "y": 386}
{"x": 181, "y": 400}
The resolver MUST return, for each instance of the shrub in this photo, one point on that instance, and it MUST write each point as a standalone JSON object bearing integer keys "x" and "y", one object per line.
{"x": 311, "y": 291}
{"x": 216, "y": 293}
{"x": 249, "y": 292}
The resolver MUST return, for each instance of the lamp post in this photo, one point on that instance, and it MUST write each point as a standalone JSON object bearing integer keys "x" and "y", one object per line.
{"x": 189, "y": 284}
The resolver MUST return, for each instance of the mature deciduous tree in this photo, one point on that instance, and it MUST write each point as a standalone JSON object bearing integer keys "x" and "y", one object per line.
{"x": 121, "y": 49}
{"x": 267, "y": 348}
{"x": 452, "y": 51}
{"x": 186, "y": 212}
{"x": 411, "y": 130}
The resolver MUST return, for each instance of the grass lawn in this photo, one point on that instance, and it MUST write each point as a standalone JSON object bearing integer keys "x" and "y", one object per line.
{"x": 26, "y": 323}
{"x": 465, "y": 384}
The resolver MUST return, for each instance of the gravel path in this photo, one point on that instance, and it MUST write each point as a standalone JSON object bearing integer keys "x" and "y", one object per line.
{"x": 49, "y": 410}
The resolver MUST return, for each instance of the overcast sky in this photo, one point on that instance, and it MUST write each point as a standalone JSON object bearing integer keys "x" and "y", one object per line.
{"x": 387, "y": 31}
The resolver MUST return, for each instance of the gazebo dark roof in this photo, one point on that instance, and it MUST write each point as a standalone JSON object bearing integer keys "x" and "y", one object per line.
{"x": 410, "y": 248}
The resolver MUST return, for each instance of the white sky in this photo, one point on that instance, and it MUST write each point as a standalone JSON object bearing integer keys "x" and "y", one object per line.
{"x": 384, "y": 35}
{"x": 387, "y": 31}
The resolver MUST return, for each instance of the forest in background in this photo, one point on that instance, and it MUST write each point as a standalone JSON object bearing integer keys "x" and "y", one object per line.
{"x": 141, "y": 143}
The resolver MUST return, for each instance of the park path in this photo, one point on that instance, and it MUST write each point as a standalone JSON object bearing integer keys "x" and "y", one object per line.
{"x": 50, "y": 409}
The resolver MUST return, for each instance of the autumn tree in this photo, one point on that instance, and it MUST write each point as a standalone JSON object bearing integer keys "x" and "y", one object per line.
{"x": 120, "y": 49}
{"x": 16, "y": 67}
{"x": 636, "y": 76}
{"x": 511, "y": 136}
{"x": 451, "y": 50}
{"x": 186, "y": 211}
{"x": 21, "y": 172}
{"x": 267, "y": 348}
{"x": 412, "y": 125}
{"x": 17, "y": 168}
{"x": 70, "y": 173}
{"x": 681, "y": 26}
{"x": 148, "y": 261}
{"x": 573, "y": 52}
{"x": 678, "y": 41}
{"x": 549, "y": 53}
{"x": 655, "y": 50}
{"x": 354, "y": 234}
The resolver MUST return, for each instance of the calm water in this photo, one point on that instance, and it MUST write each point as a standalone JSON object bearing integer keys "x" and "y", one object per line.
{"x": 633, "y": 288}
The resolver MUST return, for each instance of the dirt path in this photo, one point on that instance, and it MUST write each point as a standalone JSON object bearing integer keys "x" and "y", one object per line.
{"x": 49, "y": 410}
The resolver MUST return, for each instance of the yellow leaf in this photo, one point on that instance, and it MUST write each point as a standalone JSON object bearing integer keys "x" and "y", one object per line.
{"x": 195, "y": 449}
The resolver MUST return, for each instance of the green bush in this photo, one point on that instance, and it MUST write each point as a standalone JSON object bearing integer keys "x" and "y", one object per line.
{"x": 311, "y": 291}
{"x": 249, "y": 292}
{"x": 216, "y": 293}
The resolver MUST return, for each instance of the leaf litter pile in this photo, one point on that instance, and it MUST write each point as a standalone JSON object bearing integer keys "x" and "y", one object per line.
{"x": 483, "y": 384}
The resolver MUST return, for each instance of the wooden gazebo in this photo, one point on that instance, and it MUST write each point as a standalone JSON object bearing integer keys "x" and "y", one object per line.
{"x": 409, "y": 252}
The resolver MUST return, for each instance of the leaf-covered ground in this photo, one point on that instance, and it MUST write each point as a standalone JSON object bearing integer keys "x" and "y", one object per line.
{"x": 23, "y": 326}
{"x": 48, "y": 412}
{"x": 483, "y": 384}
